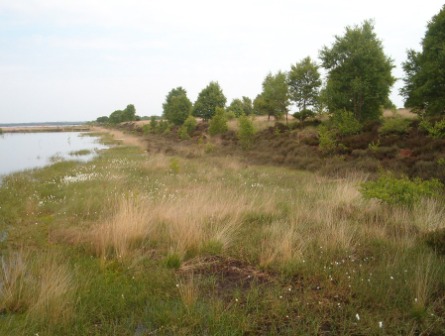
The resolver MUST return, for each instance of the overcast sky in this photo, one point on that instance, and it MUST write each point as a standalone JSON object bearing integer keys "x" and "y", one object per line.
{"x": 75, "y": 60}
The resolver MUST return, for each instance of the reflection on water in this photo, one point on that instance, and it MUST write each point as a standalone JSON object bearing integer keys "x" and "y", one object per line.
{"x": 19, "y": 151}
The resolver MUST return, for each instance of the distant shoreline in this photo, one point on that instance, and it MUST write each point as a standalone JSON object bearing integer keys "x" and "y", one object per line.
{"x": 40, "y": 128}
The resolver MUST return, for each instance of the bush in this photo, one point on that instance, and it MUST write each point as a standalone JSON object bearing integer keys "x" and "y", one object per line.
{"x": 326, "y": 139}
{"x": 345, "y": 123}
{"x": 395, "y": 125}
{"x": 163, "y": 127}
{"x": 230, "y": 115}
{"x": 218, "y": 124}
{"x": 246, "y": 131}
{"x": 303, "y": 115}
{"x": 404, "y": 191}
{"x": 188, "y": 127}
{"x": 436, "y": 130}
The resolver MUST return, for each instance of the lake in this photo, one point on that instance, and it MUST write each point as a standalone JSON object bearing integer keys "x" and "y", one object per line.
{"x": 20, "y": 151}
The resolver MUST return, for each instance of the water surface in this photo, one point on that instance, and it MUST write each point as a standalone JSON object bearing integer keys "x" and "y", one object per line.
{"x": 20, "y": 151}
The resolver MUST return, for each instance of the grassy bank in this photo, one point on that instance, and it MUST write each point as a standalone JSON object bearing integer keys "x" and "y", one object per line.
{"x": 201, "y": 243}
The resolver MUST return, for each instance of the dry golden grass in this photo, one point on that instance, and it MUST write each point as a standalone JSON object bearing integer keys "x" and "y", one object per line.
{"x": 203, "y": 214}
{"x": 55, "y": 290}
{"x": 401, "y": 112}
{"x": 122, "y": 137}
{"x": 429, "y": 215}
{"x": 41, "y": 287}
{"x": 284, "y": 244}
{"x": 131, "y": 221}
{"x": 14, "y": 283}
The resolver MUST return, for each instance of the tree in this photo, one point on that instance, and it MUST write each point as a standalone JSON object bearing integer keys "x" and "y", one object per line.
{"x": 304, "y": 84}
{"x": 274, "y": 99}
{"x": 237, "y": 107}
{"x": 129, "y": 113}
{"x": 102, "y": 120}
{"x": 116, "y": 117}
{"x": 247, "y": 105}
{"x": 208, "y": 100}
{"x": 259, "y": 105}
{"x": 218, "y": 123}
{"x": 177, "y": 106}
{"x": 359, "y": 78}
{"x": 424, "y": 88}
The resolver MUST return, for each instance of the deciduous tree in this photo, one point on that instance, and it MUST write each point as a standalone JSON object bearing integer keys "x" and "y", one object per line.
{"x": 274, "y": 99}
{"x": 359, "y": 73}
{"x": 424, "y": 88}
{"x": 177, "y": 106}
{"x": 304, "y": 84}
{"x": 208, "y": 100}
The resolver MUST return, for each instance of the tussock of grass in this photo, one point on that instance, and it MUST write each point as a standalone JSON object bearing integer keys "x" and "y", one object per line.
{"x": 14, "y": 286}
{"x": 55, "y": 292}
{"x": 40, "y": 287}
{"x": 129, "y": 223}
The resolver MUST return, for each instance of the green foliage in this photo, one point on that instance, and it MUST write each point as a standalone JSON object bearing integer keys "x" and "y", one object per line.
{"x": 404, "y": 191}
{"x": 345, "y": 123}
{"x": 218, "y": 124}
{"x": 174, "y": 165}
{"x": 395, "y": 125}
{"x": 173, "y": 260}
{"x": 247, "y": 105}
{"x": 163, "y": 127}
{"x": 236, "y": 107}
{"x": 274, "y": 100}
{"x": 374, "y": 146}
{"x": 303, "y": 115}
{"x": 128, "y": 114}
{"x": 359, "y": 73}
{"x": 436, "y": 130}
{"x": 230, "y": 115}
{"x": 153, "y": 124}
{"x": 326, "y": 138}
{"x": 188, "y": 127}
{"x": 209, "y": 99}
{"x": 241, "y": 106}
{"x": 304, "y": 83}
{"x": 102, "y": 120}
{"x": 425, "y": 73}
{"x": 246, "y": 131}
{"x": 177, "y": 106}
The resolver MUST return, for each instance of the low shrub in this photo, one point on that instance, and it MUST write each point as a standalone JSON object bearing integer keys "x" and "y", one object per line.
{"x": 326, "y": 139}
{"x": 404, "y": 191}
{"x": 435, "y": 130}
{"x": 246, "y": 131}
{"x": 218, "y": 124}
{"x": 189, "y": 126}
{"x": 345, "y": 123}
{"x": 397, "y": 125}
{"x": 303, "y": 115}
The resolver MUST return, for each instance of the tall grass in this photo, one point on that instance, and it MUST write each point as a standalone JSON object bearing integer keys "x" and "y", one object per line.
{"x": 14, "y": 283}
{"x": 41, "y": 287}
{"x": 130, "y": 222}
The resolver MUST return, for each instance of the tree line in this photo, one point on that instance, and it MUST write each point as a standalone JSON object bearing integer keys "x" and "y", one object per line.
{"x": 358, "y": 82}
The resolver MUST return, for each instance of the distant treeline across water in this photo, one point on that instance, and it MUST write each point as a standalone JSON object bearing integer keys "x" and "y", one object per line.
{"x": 43, "y": 124}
